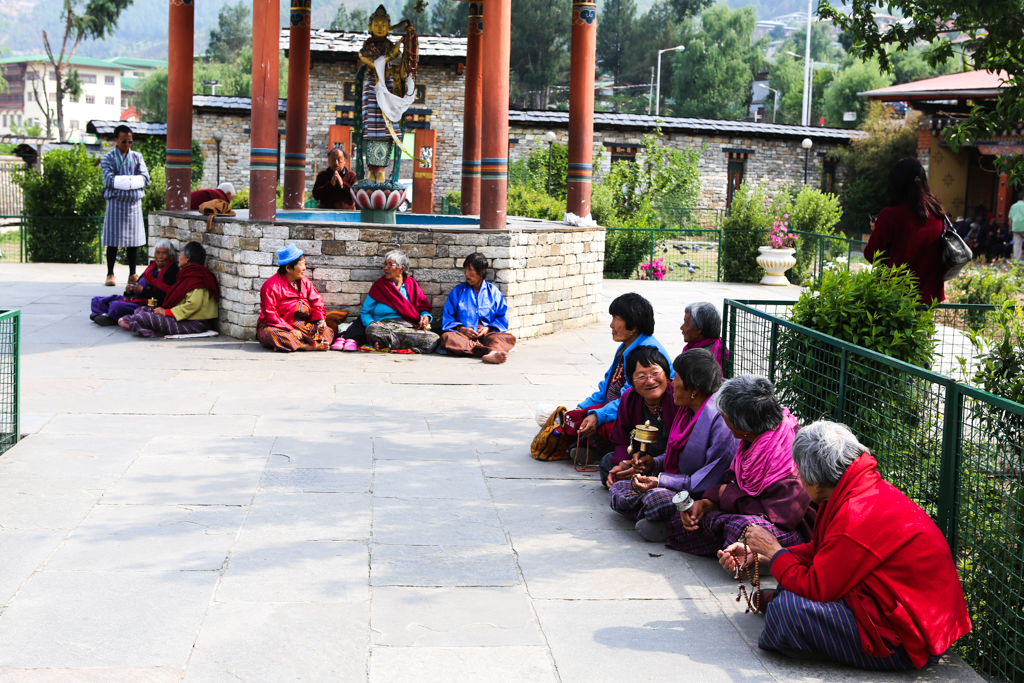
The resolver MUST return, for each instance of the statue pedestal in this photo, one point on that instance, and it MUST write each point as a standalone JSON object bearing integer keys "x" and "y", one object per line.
{"x": 386, "y": 216}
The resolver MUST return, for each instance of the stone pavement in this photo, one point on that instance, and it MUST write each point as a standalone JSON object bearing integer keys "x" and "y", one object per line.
{"x": 206, "y": 510}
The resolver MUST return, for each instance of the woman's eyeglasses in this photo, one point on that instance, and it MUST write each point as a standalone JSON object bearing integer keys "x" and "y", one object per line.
{"x": 643, "y": 379}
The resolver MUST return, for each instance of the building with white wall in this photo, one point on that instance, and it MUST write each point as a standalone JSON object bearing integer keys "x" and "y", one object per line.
{"x": 32, "y": 84}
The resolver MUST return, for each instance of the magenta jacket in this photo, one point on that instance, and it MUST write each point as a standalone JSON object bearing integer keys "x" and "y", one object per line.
{"x": 278, "y": 299}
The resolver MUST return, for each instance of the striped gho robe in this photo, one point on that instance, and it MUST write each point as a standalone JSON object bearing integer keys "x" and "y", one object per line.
{"x": 122, "y": 224}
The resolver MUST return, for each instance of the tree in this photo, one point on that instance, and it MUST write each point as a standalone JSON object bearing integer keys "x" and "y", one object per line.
{"x": 913, "y": 65}
{"x": 684, "y": 9}
{"x": 233, "y": 32}
{"x": 654, "y": 30}
{"x": 350, "y": 20}
{"x": 418, "y": 12}
{"x": 614, "y": 31}
{"x": 448, "y": 17}
{"x": 842, "y": 95}
{"x": 822, "y": 49}
{"x": 151, "y": 99}
{"x": 97, "y": 20}
{"x": 539, "y": 57}
{"x": 993, "y": 33}
{"x": 867, "y": 162}
{"x": 787, "y": 76}
{"x": 713, "y": 74}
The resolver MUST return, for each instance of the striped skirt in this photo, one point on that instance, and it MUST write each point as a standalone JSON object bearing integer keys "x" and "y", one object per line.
{"x": 801, "y": 627}
{"x": 653, "y": 506}
{"x": 122, "y": 224}
{"x": 149, "y": 324}
{"x": 373, "y": 118}
{"x": 718, "y": 530}
{"x": 304, "y": 332}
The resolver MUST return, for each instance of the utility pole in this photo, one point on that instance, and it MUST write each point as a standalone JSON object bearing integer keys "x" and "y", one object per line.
{"x": 806, "y": 118}
{"x": 650, "y": 93}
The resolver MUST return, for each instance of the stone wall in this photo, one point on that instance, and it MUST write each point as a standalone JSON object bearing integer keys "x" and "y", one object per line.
{"x": 550, "y": 274}
{"x": 776, "y": 162}
{"x": 445, "y": 97}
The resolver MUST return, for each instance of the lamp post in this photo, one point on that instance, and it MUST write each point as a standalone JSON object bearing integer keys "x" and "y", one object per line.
{"x": 213, "y": 87}
{"x": 550, "y": 138}
{"x": 657, "y": 95}
{"x": 806, "y": 144}
{"x": 775, "y": 105}
{"x": 217, "y": 137}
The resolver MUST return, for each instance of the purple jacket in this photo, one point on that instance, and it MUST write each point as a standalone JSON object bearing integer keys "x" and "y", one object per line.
{"x": 785, "y": 503}
{"x": 630, "y": 413}
{"x": 705, "y": 458}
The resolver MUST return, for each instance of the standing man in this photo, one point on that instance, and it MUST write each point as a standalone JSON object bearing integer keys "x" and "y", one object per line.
{"x": 125, "y": 178}
{"x": 332, "y": 187}
{"x": 1017, "y": 225}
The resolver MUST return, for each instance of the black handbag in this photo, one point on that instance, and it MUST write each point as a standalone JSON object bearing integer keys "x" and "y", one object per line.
{"x": 955, "y": 252}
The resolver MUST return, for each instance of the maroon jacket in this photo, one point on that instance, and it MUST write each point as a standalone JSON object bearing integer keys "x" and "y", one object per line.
{"x": 785, "y": 503}
{"x": 905, "y": 240}
{"x": 202, "y": 196}
{"x": 334, "y": 196}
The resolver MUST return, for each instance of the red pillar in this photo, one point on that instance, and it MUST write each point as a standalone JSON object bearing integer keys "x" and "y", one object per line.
{"x": 582, "y": 65}
{"x": 181, "y": 17}
{"x": 494, "y": 128}
{"x": 263, "y": 143}
{"x": 472, "y": 112}
{"x": 298, "y": 106}
{"x": 1005, "y": 200}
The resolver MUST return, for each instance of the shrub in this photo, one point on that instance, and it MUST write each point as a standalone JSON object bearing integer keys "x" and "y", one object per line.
{"x": 71, "y": 189}
{"x": 878, "y": 309}
{"x": 982, "y": 285}
{"x": 628, "y": 243}
{"x": 453, "y": 202}
{"x": 241, "y": 198}
{"x": 746, "y": 229}
{"x": 815, "y": 212}
{"x": 529, "y": 203}
{"x": 156, "y": 193}
{"x": 154, "y": 152}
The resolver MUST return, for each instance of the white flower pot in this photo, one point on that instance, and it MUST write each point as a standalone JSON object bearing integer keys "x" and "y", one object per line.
{"x": 775, "y": 263}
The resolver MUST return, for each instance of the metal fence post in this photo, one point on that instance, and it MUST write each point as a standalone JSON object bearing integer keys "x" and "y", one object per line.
{"x": 771, "y": 351}
{"x": 730, "y": 313}
{"x": 843, "y": 366}
{"x": 722, "y": 259}
{"x": 23, "y": 232}
{"x": 949, "y": 467}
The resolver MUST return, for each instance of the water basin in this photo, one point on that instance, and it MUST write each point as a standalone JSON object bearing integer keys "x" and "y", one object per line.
{"x": 400, "y": 218}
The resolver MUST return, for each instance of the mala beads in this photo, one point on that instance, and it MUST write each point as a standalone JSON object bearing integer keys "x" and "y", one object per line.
{"x": 754, "y": 577}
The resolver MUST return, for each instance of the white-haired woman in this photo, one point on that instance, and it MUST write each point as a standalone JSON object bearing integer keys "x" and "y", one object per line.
{"x": 395, "y": 314}
{"x": 155, "y": 283}
{"x": 876, "y": 586}
{"x": 760, "y": 487}
{"x": 702, "y": 328}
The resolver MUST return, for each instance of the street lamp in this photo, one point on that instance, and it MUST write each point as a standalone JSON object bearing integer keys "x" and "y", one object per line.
{"x": 550, "y": 138}
{"x": 217, "y": 137}
{"x": 805, "y": 118}
{"x": 806, "y": 144}
{"x": 213, "y": 87}
{"x": 657, "y": 96}
{"x": 775, "y": 107}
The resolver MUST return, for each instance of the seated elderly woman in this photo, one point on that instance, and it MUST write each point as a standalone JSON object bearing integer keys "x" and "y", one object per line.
{"x": 632, "y": 326}
{"x": 702, "y": 328}
{"x": 292, "y": 313}
{"x": 760, "y": 487}
{"x": 475, "y": 319}
{"x": 395, "y": 314}
{"x": 191, "y": 305}
{"x": 699, "y": 450}
{"x": 876, "y": 587}
{"x": 155, "y": 283}
{"x": 648, "y": 401}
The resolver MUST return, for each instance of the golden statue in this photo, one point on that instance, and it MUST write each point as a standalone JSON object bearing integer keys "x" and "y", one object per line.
{"x": 397, "y": 63}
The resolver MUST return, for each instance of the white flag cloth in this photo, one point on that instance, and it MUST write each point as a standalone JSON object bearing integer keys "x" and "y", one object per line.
{"x": 129, "y": 182}
{"x": 392, "y": 105}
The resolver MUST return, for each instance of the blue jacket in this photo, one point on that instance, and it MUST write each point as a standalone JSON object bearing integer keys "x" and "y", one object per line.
{"x": 467, "y": 307}
{"x": 609, "y": 410}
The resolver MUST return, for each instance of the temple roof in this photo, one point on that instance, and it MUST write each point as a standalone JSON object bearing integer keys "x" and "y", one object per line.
{"x": 969, "y": 84}
{"x": 241, "y": 104}
{"x": 673, "y": 124}
{"x": 138, "y": 127}
{"x": 348, "y": 43}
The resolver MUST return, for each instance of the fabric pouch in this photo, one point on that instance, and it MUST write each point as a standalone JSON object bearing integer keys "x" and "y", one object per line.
{"x": 552, "y": 443}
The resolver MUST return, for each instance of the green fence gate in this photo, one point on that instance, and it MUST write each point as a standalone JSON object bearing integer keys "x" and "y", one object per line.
{"x": 10, "y": 378}
{"x": 954, "y": 449}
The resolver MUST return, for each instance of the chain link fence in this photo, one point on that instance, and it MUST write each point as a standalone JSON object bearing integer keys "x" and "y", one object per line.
{"x": 52, "y": 239}
{"x": 10, "y": 378}
{"x": 954, "y": 449}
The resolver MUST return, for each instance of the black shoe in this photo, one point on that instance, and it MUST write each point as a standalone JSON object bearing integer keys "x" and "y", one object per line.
{"x": 104, "y": 320}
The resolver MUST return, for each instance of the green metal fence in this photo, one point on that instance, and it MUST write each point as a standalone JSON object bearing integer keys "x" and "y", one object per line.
{"x": 10, "y": 378}
{"x": 59, "y": 239}
{"x": 709, "y": 254}
{"x": 954, "y": 449}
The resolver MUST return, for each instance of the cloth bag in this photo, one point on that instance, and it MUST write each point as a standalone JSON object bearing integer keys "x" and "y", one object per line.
{"x": 552, "y": 443}
{"x": 955, "y": 252}
{"x": 215, "y": 207}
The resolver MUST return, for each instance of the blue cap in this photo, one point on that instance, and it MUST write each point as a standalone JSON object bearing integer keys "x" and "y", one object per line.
{"x": 286, "y": 255}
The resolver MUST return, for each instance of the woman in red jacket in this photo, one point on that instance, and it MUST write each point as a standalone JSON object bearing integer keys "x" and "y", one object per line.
{"x": 292, "y": 313}
{"x": 876, "y": 587}
{"x": 909, "y": 231}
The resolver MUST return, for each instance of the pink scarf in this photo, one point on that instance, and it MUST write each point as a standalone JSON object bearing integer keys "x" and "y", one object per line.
{"x": 769, "y": 459}
{"x": 679, "y": 436}
{"x": 714, "y": 344}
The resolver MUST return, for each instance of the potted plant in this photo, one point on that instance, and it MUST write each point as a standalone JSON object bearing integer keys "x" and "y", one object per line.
{"x": 777, "y": 257}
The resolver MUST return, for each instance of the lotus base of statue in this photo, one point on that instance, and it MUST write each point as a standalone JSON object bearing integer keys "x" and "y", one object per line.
{"x": 377, "y": 202}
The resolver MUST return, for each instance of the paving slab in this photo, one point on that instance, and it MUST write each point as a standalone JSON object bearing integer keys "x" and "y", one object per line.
{"x": 462, "y": 664}
{"x": 187, "y": 480}
{"x": 438, "y": 521}
{"x": 308, "y": 517}
{"x": 425, "y": 565}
